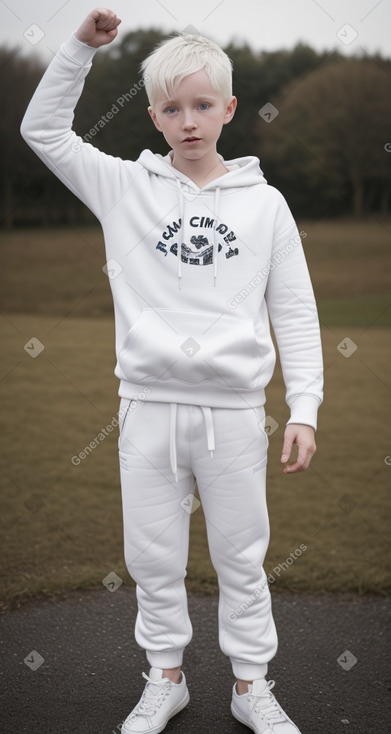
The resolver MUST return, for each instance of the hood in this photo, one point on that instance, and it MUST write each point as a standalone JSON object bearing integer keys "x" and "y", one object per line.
{"x": 245, "y": 171}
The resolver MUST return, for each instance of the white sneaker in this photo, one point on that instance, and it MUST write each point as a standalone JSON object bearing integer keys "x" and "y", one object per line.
{"x": 161, "y": 699}
{"x": 259, "y": 710}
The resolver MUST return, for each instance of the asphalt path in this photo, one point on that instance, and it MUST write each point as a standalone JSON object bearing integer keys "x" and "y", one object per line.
{"x": 73, "y": 665}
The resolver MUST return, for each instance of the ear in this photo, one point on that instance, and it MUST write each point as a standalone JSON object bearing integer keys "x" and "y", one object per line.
{"x": 154, "y": 118}
{"x": 230, "y": 110}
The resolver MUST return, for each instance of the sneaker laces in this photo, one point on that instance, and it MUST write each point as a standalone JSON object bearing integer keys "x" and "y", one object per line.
{"x": 152, "y": 697}
{"x": 267, "y": 705}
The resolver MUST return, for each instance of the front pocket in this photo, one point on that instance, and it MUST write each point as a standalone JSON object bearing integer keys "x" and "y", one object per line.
{"x": 192, "y": 347}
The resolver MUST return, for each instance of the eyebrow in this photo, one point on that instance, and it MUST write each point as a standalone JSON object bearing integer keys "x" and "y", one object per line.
{"x": 174, "y": 101}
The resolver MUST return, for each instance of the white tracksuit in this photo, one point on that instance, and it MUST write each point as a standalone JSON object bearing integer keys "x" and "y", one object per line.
{"x": 195, "y": 275}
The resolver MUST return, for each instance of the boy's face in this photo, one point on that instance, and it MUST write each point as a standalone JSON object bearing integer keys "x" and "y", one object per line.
{"x": 192, "y": 120}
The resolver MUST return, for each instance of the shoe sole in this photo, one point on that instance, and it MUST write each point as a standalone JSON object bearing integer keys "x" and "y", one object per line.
{"x": 158, "y": 729}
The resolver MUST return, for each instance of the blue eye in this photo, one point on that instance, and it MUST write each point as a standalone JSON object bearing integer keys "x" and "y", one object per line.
{"x": 170, "y": 109}
{"x": 204, "y": 105}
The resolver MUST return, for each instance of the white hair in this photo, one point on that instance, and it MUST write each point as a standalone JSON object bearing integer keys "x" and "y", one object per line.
{"x": 173, "y": 60}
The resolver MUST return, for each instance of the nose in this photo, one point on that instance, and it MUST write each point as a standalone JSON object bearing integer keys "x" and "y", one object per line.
{"x": 188, "y": 122}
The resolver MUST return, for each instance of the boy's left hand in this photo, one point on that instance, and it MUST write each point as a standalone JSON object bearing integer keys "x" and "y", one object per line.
{"x": 304, "y": 437}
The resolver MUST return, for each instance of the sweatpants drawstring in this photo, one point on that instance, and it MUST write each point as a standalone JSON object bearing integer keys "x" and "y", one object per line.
{"x": 210, "y": 437}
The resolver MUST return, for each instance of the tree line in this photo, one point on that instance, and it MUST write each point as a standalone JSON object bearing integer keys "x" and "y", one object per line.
{"x": 318, "y": 121}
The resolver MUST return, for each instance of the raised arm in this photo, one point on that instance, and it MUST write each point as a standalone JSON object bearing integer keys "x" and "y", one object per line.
{"x": 94, "y": 177}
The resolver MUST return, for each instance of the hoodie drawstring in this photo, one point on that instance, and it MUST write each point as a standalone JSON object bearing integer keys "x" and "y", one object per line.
{"x": 210, "y": 437}
{"x": 182, "y": 233}
{"x": 215, "y": 246}
{"x": 181, "y": 216}
{"x": 173, "y": 457}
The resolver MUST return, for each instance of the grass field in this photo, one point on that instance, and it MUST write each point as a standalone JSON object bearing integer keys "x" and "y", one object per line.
{"x": 61, "y": 524}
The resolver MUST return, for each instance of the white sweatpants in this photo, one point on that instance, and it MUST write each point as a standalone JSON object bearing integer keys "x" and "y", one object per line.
{"x": 164, "y": 448}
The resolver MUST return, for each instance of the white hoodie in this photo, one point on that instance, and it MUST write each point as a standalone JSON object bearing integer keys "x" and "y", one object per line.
{"x": 190, "y": 329}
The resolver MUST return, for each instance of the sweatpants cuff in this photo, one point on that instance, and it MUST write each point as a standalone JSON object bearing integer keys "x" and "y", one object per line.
{"x": 248, "y": 671}
{"x": 165, "y": 658}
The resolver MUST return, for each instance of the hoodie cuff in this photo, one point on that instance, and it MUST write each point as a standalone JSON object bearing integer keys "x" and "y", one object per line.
{"x": 304, "y": 409}
{"x": 78, "y": 51}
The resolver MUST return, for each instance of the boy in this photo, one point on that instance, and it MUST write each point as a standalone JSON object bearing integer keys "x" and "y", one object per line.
{"x": 201, "y": 251}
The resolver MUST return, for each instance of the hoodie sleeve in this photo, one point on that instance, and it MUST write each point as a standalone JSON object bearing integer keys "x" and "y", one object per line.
{"x": 293, "y": 313}
{"x": 94, "y": 177}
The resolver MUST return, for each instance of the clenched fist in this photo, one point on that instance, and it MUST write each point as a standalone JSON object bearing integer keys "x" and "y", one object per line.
{"x": 99, "y": 28}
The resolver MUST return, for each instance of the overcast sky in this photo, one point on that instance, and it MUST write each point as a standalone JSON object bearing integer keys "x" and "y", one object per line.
{"x": 351, "y": 26}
